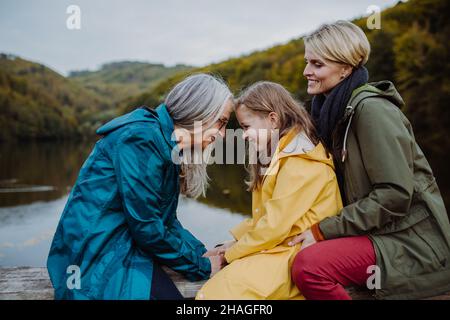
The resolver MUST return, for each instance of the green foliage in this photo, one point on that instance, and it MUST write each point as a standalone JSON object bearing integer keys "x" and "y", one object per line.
{"x": 411, "y": 49}
{"x": 38, "y": 103}
{"x": 422, "y": 76}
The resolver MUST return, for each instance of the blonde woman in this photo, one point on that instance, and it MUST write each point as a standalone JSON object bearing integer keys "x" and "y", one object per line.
{"x": 119, "y": 225}
{"x": 292, "y": 188}
{"x": 394, "y": 217}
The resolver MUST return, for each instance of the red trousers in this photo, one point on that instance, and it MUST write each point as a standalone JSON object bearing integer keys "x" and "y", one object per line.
{"x": 322, "y": 270}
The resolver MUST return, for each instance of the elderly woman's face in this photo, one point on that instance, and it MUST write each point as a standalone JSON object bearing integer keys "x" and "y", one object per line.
{"x": 210, "y": 134}
{"x": 323, "y": 75}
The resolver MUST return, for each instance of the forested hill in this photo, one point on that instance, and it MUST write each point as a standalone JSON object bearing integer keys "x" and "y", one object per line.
{"x": 411, "y": 49}
{"x": 119, "y": 80}
{"x": 38, "y": 103}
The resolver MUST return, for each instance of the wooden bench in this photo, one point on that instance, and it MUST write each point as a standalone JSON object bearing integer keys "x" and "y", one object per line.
{"x": 28, "y": 283}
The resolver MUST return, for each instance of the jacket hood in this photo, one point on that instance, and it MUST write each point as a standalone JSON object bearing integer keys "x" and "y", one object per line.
{"x": 159, "y": 116}
{"x": 299, "y": 145}
{"x": 384, "y": 89}
{"x": 138, "y": 115}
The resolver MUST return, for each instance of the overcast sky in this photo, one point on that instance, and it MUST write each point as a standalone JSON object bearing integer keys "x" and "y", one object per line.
{"x": 196, "y": 32}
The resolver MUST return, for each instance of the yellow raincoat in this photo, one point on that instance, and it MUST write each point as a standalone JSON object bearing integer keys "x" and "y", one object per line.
{"x": 299, "y": 189}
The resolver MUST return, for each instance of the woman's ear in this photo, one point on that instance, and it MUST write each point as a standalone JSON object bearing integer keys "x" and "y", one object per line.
{"x": 274, "y": 120}
{"x": 346, "y": 71}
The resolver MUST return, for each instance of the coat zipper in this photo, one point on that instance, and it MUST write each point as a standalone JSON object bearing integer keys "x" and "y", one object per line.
{"x": 349, "y": 112}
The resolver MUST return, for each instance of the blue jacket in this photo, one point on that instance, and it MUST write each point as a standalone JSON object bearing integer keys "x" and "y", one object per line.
{"x": 120, "y": 217}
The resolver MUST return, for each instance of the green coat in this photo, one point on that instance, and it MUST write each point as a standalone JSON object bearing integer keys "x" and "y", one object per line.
{"x": 391, "y": 195}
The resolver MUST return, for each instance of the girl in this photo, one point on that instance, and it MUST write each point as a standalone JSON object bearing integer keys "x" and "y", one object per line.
{"x": 394, "y": 216}
{"x": 297, "y": 189}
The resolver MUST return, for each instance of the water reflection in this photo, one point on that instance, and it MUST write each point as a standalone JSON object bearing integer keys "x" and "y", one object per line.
{"x": 35, "y": 179}
{"x": 39, "y": 171}
{"x": 26, "y": 231}
{"x": 32, "y": 172}
{"x": 227, "y": 188}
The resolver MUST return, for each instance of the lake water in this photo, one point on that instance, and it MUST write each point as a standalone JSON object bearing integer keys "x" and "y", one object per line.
{"x": 35, "y": 179}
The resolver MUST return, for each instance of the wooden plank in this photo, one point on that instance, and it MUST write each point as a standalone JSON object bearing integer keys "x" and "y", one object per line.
{"x": 24, "y": 283}
{"x": 188, "y": 289}
{"x": 29, "y": 283}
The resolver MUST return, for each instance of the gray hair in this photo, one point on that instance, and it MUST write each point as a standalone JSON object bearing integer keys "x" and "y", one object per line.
{"x": 199, "y": 97}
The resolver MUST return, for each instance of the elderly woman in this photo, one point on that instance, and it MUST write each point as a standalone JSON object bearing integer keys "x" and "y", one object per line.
{"x": 394, "y": 216}
{"x": 119, "y": 224}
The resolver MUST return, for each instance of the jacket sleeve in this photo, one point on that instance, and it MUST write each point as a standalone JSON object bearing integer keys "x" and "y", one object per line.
{"x": 238, "y": 231}
{"x": 140, "y": 171}
{"x": 197, "y": 245}
{"x": 386, "y": 147}
{"x": 287, "y": 207}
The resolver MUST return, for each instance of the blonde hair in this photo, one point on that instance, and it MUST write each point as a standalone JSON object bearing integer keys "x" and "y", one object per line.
{"x": 265, "y": 97}
{"x": 341, "y": 42}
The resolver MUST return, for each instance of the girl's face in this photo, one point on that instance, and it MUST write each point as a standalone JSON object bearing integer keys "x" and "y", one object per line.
{"x": 323, "y": 75}
{"x": 257, "y": 128}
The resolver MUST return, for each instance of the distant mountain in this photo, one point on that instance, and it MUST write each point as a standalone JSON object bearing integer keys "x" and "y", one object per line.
{"x": 38, "y": 103}
{"x": 119, "y": 80}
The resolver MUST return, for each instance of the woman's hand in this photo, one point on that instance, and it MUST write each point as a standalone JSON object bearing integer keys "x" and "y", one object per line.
{"x": 217, "y": 263}
{"x": 307, "y": 239}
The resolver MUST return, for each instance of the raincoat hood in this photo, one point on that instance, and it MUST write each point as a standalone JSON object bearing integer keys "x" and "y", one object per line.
{"x": 139, "y": 115}
{"x": 160, "y": 116}
{"x": 297, "y": 144}
{"x": 384, "y": 89}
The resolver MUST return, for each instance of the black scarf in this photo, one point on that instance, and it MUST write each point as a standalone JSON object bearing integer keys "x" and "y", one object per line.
{"x": 328, "y": 111}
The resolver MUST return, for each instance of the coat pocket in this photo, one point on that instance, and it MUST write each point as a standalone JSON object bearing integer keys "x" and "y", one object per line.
{"x": 413, "y": 252}
{"x": 429, "y": 233}
{"x": 416, "y": 214}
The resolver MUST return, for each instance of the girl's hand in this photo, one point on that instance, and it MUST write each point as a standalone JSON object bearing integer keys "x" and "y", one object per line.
{"x": 211, "y": 252}
{"x": 220, "y": 249}
{"x": 307, "y": 239}
{"x": 227, "y": 245}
